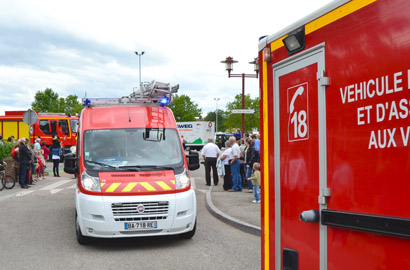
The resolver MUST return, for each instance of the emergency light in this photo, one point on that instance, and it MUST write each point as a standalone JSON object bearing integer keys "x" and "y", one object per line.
{"x": 295, "y": 41}
{"x": 164, "y": 101}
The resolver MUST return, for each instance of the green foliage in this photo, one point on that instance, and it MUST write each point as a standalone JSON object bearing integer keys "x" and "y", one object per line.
{"x": 211, "y": 116}
{"x": 48, "y": 101}
{"x": 184, "y": 109}
{"x": 235, "y": 120}
{"x": 5, "y": 150}
{"x": 71, "y": 105}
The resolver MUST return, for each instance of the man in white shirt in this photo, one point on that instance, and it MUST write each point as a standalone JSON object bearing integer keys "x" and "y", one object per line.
{"x": 235, "y": 165}
{"x": 210, "y": 153}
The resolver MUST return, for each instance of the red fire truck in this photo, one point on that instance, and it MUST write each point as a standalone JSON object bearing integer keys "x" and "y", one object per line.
{"x": 335, "y": 109}
{"x": 47, "y": 125}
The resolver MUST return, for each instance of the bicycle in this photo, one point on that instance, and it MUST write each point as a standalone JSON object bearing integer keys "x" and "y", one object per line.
{"x": 7, "y": 181}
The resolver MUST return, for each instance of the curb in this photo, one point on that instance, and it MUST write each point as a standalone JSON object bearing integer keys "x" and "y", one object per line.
{"x": 243, "y": 226}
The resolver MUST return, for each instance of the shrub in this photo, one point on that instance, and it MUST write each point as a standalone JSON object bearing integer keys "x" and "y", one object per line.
{"x": 5, "y": 150}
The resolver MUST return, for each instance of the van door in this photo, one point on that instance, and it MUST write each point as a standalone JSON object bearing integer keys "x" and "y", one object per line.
{"x": 300, "y": 160}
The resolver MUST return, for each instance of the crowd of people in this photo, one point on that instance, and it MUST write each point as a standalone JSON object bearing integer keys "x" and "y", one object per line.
{"x": 238, "y": 164}
{"x": 30, "y": 160}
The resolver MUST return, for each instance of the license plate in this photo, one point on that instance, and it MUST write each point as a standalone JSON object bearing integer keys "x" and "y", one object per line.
{"x": 140, "y": 225}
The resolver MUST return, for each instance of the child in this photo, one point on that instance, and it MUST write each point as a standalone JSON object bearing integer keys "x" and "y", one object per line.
{"x": 256, "y": 181}
{"x": 41, "y": 163}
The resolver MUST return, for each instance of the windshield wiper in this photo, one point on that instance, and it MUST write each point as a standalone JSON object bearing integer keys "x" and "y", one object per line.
{"x": 147, "y": 167}
{"x": 102, "y": 164}
{"x": 131, "y": 168}
{"x": 158, "y": 167}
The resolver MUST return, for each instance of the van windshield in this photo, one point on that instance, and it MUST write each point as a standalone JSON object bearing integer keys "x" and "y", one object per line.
{"x": 132, "y": 149}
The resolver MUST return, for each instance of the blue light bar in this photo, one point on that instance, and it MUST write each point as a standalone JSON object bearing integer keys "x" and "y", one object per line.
{"x": 164, "y": 101}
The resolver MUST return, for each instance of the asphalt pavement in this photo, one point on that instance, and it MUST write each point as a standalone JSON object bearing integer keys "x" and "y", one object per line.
{"x": 235, "y": 208}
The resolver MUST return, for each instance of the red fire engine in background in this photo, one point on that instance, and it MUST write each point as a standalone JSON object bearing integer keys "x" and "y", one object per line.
{"x": 335, "y": 109}
{"x": 47, "y": 125}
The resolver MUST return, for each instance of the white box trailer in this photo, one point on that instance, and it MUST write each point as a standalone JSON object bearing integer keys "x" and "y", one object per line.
{"x": 196, "y": 133}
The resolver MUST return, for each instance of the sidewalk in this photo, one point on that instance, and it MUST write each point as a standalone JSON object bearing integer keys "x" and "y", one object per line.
{"x": 235, "y": 208}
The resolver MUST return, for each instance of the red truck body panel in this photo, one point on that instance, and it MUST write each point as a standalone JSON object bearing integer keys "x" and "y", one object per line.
{"x": 348, "y": 137}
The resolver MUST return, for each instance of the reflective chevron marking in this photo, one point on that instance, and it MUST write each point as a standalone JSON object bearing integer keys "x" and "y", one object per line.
{"x": 113, "y": 187}
{"x": 129, "y": 187}
{"x": 148, "y": 186}
{"x": 163, "y": 185}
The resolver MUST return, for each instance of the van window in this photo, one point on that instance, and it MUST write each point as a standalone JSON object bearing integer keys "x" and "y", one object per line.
{"x": 63, "y": 126}
{"x": 132, "y": 148}
{"x": 74, "y": 125}
{"x": 44, "y": 126}
{"x": 53, "y": 125}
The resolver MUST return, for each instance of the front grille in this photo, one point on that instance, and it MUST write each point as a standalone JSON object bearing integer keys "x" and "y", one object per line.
{"x": 141, "y": 218}
{"x": 131, "y": 209}
{"x": 140, "y": 232}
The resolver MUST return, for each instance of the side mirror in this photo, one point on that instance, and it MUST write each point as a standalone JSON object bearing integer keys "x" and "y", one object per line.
{"x": 69, "y": 163}
{"x": 193, "y": 160}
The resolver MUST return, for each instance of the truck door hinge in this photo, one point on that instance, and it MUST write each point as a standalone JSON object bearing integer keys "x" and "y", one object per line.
{"x": 325, "y": 193}
{"x": 322, "y": 79}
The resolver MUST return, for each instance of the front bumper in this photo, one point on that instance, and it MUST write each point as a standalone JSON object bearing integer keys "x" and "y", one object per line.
{"x": 105, "y": 217}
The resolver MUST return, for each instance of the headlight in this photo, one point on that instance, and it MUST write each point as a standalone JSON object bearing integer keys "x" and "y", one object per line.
{"x": 182, "y": 180}
{"x": 90, "y": 183}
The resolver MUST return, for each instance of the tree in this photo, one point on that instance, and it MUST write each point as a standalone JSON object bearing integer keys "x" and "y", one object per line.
{"x": 48, "y": 101}
{"x": 184, "y": 109}
{"x": 211, "y": 116}
{"x": 72, "y": 106}
{"x": 234, "y": 120}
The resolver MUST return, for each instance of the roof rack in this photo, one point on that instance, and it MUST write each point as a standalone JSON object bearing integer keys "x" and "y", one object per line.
{"x": 150, "y": 94}
{"x": 52, "y": 114}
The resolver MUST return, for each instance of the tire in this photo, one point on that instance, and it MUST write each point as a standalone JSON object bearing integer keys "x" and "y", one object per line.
{"x": 9, "y": 182}
{"x": 1, "y": 183}
{"x": 81, "y": 239}
{"x": 190, "y": 234}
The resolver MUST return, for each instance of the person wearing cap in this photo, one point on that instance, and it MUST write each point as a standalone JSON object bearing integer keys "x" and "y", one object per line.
{"x": 37, "y": 145}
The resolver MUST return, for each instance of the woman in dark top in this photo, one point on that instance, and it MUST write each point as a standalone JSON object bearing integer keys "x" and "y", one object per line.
{"x": 250, "y": 158}
{"x": 55, "y": 152}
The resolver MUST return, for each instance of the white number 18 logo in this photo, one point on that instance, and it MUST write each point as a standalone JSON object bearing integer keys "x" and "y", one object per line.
{"x": 298, "y": 113}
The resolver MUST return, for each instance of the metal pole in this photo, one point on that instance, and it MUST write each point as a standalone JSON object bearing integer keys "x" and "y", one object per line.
{"x": 243, "y": 103}
{"x": 216, "y": 120}
{"x": 139, "y": 56}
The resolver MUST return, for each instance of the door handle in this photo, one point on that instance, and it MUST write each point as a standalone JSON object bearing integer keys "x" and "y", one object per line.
{"x": 310, "y": 216}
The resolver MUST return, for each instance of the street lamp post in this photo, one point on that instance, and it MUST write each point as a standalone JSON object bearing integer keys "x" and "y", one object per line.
{"x": 139, "y": 56}
{"x": 229, "y": 67}
{"x": 216, "y": 112}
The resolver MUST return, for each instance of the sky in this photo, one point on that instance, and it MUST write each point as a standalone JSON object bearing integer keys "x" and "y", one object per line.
{"x": 87, "y": 47}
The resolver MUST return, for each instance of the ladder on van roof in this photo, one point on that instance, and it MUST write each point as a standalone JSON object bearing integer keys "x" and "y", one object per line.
{"x": 150, "y": 94}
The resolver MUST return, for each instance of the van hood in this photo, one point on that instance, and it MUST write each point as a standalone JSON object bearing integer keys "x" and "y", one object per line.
{"x": 137, "y": 183}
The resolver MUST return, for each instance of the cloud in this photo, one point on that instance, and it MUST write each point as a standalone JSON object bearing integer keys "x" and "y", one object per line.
{"x": 80, "y": 47}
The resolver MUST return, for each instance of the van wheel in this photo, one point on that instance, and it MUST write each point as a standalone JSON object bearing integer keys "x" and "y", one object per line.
{"x": 81, "y": 239}
{"x": 190, "y": 234}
